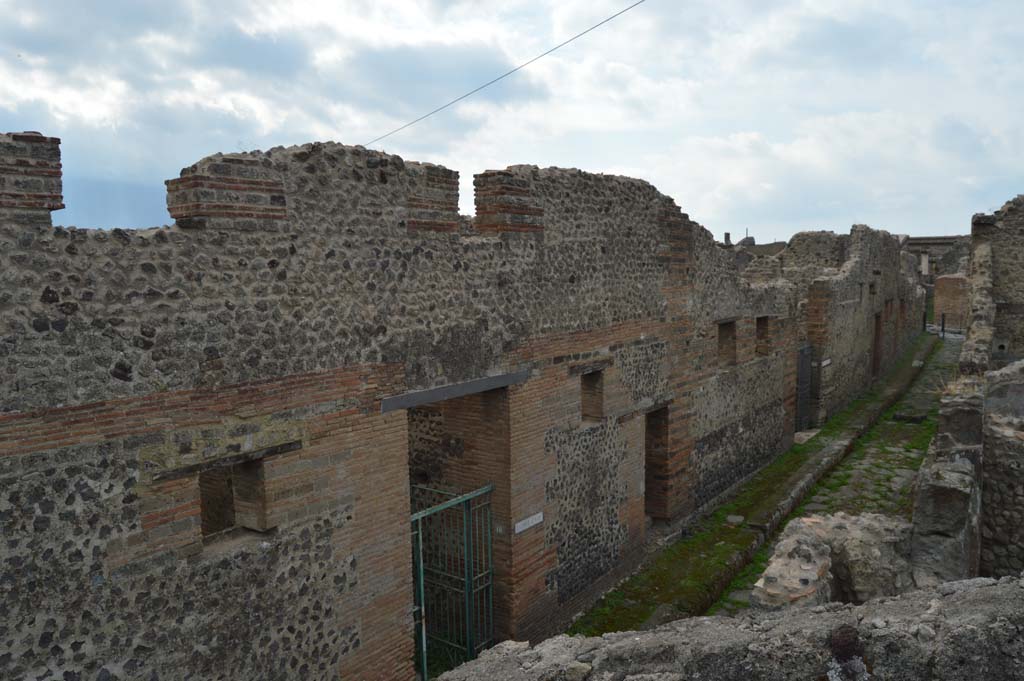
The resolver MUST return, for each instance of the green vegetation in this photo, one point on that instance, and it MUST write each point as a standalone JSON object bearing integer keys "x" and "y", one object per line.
{"x": 690, "y": 575}
{"x": 743, "y": 581}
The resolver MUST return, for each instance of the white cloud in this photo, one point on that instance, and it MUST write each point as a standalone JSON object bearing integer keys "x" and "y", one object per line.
{"x": 768, "y": 116}
{"x": 95, "y": 99}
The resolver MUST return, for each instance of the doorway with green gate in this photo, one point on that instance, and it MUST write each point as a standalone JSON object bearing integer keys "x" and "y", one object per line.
{"x": 459, "y": 473}
{"x": 453, "y": 577}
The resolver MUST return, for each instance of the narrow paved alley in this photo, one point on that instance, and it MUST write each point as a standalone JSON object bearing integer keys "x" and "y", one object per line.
{"x": 877, "y": 476}
{"x": 884, "y": 435}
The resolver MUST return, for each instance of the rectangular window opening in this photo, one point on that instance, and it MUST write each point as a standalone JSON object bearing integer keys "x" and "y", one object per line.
{"x": 592, "y": 396}
{"x": 217, "y": 500}
{"x": 655, "y": 462}
{"x": 726, "y": 344}
{"x": 232, "y": 497}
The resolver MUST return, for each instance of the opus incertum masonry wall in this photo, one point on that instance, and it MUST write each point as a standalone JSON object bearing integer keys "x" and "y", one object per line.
{"x": 261, "y": 366}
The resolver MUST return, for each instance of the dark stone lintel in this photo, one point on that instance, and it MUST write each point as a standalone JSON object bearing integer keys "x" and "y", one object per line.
{"x": 232, "y": 460}
{"x": 447, "y": 392}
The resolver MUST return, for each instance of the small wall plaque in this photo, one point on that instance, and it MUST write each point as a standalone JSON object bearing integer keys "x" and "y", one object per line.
{"x": 526, "y": 523}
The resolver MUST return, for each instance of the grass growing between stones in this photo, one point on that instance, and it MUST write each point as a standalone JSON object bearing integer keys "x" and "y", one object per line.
{"x": 687, "y": 577}
{"x": 877, "y": 475}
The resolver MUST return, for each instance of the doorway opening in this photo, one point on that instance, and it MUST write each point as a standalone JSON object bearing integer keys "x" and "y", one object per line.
{"x": 458, "y": 472}
{"x": 876, "y": 347}
{"x": 655, "y": 460}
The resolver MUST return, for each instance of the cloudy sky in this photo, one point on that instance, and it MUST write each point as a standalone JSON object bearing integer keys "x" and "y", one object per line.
{"x": 767, "y": 117}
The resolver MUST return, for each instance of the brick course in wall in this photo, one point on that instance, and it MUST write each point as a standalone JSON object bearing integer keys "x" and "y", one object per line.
{"x": 257, "y": 341}
{"x": 30, "y": 177}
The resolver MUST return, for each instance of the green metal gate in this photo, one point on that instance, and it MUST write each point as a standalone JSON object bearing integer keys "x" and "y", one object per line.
{"x": 452, "y": 577}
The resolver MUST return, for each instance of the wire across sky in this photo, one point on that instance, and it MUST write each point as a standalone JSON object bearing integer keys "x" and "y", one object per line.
{"x": 504, "y": 75}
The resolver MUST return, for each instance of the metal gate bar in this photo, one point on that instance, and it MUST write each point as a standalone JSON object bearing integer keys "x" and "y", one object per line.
{"x": 452, "y": 576}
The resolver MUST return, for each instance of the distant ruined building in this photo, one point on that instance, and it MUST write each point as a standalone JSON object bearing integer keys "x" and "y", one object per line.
{"x": 324, "y": 418}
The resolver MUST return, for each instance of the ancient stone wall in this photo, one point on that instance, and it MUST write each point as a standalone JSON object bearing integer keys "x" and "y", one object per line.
{"x": 318, "y": 326}
{"x": 947, "y": 504}
{"x": 285, "y": 266}
{"x": 968, "y": 508}
{"x": 817, "y": 250}
{"x": 108, "y": 572}
{"x": 432, "y": 446}
{"x": 976, "y": 353}
{"x": 860, "y": 320}
{"x": 843, "y": 286}
{"x": 954, "y": 259}
{"x": 1003, "y": 231}
{"x": 740, "y": 386}
{"x": 1002, "y": 543}
{"x": 963, "y": 631}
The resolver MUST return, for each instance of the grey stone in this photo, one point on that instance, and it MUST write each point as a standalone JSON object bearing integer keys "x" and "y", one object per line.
{"x": 840, "y": 557}
{"x": 974, "y": 637}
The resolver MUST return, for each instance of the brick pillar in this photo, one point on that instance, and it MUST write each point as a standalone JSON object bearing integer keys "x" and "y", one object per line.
{"x": 669, "y": 480}
{"x": 433, "y": 203}
{"x": 229, "y": 192}
{"x": 30, "y": 178}
{"x": 505, "y": 203}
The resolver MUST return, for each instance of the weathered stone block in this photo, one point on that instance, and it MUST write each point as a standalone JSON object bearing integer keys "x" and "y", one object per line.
{"x": 505, "y": 202}
{"x": 30, "y": 177}
{"x": 228, "y": 192}
{"x": 839, "y": 557}
{"x": 947, "y": 514}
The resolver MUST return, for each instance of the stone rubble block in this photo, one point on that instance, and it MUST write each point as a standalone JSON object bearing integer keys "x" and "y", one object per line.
{"x": 947, "y": 504}
{"x": 946, "y": 516}
{"x": 800, "y": 570}
{"x": 836, "y": 557}
{"x": 1003, "y": 472}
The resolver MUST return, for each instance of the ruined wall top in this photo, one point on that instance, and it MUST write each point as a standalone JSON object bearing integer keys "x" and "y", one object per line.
{"x": 996, "y": 333}
{"x": 816, "y": 249}
{"x": 810, "y": 256}
{"x": 318, "y": 256}
{"x": 312, "y": 257}
{"x": 30, "y": 177}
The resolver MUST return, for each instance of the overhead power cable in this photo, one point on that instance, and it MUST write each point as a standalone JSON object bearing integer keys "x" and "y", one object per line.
{"x": 504, "y": 75}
